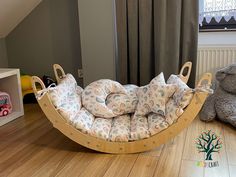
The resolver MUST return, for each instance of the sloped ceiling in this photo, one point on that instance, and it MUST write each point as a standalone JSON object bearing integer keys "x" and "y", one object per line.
{"x": 12, "y": 12}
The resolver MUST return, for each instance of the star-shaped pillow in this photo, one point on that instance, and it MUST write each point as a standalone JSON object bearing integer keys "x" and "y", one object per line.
{"x": 153, "y": 98}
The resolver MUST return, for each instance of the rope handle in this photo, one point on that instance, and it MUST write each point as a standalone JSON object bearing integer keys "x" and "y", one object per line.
{"x": 59, "y": 72}
{"x": 39, "y": 92}
{"x": 204, "y": 84}
{"x": 188, "y": 66}
{"x": 205, "y": 80}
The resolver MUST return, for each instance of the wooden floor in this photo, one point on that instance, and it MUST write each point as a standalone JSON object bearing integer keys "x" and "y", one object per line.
{"x": 30, "y": 146}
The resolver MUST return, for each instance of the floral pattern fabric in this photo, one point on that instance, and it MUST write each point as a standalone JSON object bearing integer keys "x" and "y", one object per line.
{"x": 95, "y": 94}
{"x": 79, "y": 90}
{"x": 156, "y": 123}
{"x": 153, "y": 97}
{"x": 123, "y": 103}
{"x": 183, "y": 94}
{"x": 160, "y": 79}
{"x": 173, "y": 111}
{"x": 139, "y": 127}
{"x": 83, "y": 121}
{"x": 131, "y": 87}
{"x": 112, "y": 104}
{"x": 120, "y": 130}
{"x": 101, "y": 128}
{"x": 70, "y": 106}
{"x": 66, "y": 88}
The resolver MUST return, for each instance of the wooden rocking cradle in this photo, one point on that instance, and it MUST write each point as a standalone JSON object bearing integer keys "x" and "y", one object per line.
{"x": 101, "y": 145}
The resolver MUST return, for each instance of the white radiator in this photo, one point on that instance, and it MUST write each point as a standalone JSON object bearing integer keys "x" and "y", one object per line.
{"x": 210, "y": 59}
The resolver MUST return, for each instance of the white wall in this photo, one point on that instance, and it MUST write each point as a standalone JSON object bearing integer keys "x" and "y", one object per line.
{"x": 96, "y": 18}
{"x": 217, "y": 39}
{"x": 12, "y": 12}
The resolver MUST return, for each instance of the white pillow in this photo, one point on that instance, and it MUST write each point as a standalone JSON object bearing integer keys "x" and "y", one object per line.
{"x": 101, "y": 128}
{"x": 123, "y": 103}
{"x": 153, "y": 97}
{"x": 120, "y": 130}
{"x": 65, "y": 91}
{"x": 139, "y": 127}
{"x": 160, "y": 79}
{"x": 183, "y": 94}
{"x": 173, "y": 111}
{"x": 95, "y": 94}
{"x": 156, "y": 123}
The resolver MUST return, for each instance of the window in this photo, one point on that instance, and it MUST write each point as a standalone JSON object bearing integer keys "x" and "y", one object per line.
{"x": 217, "y": 15}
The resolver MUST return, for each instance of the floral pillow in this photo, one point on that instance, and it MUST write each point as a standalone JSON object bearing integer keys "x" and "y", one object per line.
{"x": 131, "y": 87}
{"x": 153, "y": 97}
{"x": 120, "y": 130}
{"x": 64, "y": 92}
{"x": 123, "y": 103}
{"x": 101, "y": 128}
{"x": 95, "y": 94}
{"x": 139, "y": 127}
{"x": 70, "y": 106}
{"x": 160, "y": 79}
{"x": 156, "y": 123}
{"x": 173, "y": 111}
{"x": 83, "y": 121}
{"x": 183, "y": 94}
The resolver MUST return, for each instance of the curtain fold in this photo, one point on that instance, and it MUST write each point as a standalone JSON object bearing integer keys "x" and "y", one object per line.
{"x": 155, "y": 36}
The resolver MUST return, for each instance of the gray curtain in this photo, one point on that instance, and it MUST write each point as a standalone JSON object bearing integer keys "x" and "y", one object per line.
{"x": 155, "y": 36}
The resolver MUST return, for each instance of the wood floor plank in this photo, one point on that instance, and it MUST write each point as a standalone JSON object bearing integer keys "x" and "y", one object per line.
{"x": 76, "y": 165}
{"x": 232, "y": 169}
{"x": 121, "y": 166}
{"x": 56, "y": 162}
{"x": 230, "y": 143}
{"x": 99, "y": 166}
{"x": 170, "y": 159}
{"x": 27, "y": 153}
{"x": 193, "y": 131}
{"x": 11, "y": 148}
{"x": 144, "y": 166}
{"x": 190, "y": 169}
{"x": 221, "y": 157}
{"x": 37, "y": 160}
{"x": 19, "y": 125}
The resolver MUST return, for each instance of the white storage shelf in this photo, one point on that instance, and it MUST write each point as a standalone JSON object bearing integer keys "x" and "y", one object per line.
{"x": 10, "y": 83}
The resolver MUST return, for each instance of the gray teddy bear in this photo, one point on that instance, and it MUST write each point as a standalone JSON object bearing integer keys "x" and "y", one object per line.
{"x": 222, "y": 104}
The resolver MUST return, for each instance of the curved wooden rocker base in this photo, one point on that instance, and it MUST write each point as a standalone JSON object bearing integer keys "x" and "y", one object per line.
{"x": 123, "y": 147}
